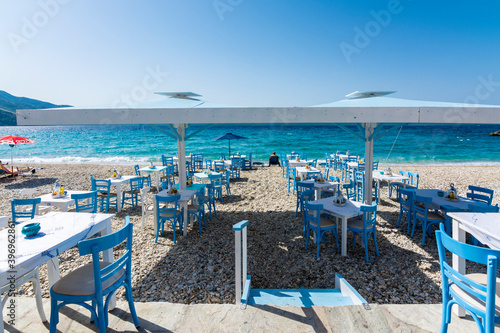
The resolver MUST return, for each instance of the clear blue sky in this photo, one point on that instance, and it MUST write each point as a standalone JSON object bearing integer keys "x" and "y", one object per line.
{"x": 249, "y": 52}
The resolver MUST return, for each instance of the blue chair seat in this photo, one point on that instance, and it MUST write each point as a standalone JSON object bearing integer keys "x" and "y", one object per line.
{"x": 430, "y": 216}
{"x": 77, "y": 282}
{"x": 473, "y": 300}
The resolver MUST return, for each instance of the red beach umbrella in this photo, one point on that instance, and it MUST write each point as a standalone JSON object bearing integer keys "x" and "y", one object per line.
{"x": 12, "y": 141}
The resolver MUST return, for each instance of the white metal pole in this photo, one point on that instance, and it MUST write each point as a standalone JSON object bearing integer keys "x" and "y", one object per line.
{"x": 181, "y": 151}
{"x": 244, "y": 248}
{"x": 369, "y": 127}
{"x": 237, "y": 262}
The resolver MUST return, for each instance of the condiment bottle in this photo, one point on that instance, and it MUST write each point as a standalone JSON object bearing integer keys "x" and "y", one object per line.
{"x": 61, "y": 190}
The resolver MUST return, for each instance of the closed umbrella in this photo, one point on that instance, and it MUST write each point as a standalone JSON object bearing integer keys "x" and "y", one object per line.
{"x": 229, "y": 136}
{"x": 13, "y": 141}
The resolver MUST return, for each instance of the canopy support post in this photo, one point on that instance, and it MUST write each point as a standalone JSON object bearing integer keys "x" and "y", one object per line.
{"x": 181, "y": 152}
{"x": 369, "y": 128}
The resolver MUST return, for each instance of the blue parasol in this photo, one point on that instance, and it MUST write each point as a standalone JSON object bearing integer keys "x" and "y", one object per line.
{"x": 229, "y": 136}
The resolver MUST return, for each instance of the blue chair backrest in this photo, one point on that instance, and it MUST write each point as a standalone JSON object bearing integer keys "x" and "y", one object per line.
{"x": 215, "y": 180}
{"x": 101, "y": 185}
{"x": 352, "y": 158}
{"x": 19, "y": 213}
{"x": 418, "y": 200}
{"x": 312, "y": 213}
{"x": 301, "y": 185}
{"x": 208, "y": 164}
{"x": 349, "y": 190}
{"x": 361, "y": 167}
{"x": 413, "y": 179}
{"x": 406, "y": 197}
{"x": 335, "y": 179}
{"x": 163, "y": 160}
{"x": 304, "y": 156}
{"x": 314, "y": 175}
{"x": 292, "y": 172}
{"x": 218, "y": 166}
{"x": 85, "y": 202}
{"x": 124, "y": 263}
{"x": 171, "y": 205}
{"x": 369, "y": 216}
{"x": 482, "y": 209}
{"x": 375, "y": 165}
{"x": 307, "y": 195}
{"x": 136, "y": 183}
{"x": 136, "y": 168}
{"x": 327, "y": 172}
{"x": 482, "y": 293}
{"x": 481, "y": 194}
{"x": 222, "y": 156}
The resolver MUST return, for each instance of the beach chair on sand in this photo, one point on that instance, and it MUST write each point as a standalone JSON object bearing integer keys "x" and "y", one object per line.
{"x": 5, "y": 172}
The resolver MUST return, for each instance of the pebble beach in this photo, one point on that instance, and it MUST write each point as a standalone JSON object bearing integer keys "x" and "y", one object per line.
{"x": 199, "y": 268}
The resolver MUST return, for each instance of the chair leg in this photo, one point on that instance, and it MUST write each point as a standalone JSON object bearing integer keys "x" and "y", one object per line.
{"x": 130, "y": 299}
{"x": 365, "y": 241}
{"x": 375, "y": 241}
{"x": 54, "y": 315}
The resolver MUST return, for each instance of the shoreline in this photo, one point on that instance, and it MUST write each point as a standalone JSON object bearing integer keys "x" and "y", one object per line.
{"x": 199, "y": 268}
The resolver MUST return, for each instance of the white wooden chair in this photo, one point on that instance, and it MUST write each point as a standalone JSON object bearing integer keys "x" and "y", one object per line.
{"x": 148, "y": 205}
{"x": 28, "y": 193}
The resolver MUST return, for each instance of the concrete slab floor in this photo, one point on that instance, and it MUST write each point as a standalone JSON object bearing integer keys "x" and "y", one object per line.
{"x": 169, "y": 317}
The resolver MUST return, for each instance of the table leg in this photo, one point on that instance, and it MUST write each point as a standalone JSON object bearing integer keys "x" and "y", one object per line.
{"x": 158, "y": 181}
{"x": 53, "y": 271}
{"x": 118, "y": 198}
{"x": 186, "y": 222}
{"x": 318, "y": 193}
{"x": 344, "y": 236}
{"x": 458, "y": 262}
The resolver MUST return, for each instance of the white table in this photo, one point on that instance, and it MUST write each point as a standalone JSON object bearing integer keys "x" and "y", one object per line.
{"x": 295, "y": 163}
{"x": 392, "y": 178}
{"x": 186, "y": 196}
{"x": 349, "y": 210}
{"x": 302, "y": 171}
{"x": 483, "y": 226}
{"x": 59, "y": 232}
{"x": 352, "y": 165}
{"x": 438, "y": 202}
{"x": 63, "y": 202}
{"x": 204, "y": 177}
{"x": 240, "y": 156}
{"x": 156, "y": 170}
{"x": 118, "y": 182}
{"x": 324, "y": 185}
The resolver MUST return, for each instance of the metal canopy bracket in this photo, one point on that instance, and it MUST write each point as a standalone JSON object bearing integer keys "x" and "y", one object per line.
{"x": 360, "y": 135}
{"x": 172, "y": 133}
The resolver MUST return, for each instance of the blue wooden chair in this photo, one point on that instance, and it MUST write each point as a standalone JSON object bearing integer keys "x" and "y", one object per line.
{"x": 23, "y": 209}
{"x": 167, "y": 209}
{"x": 313, "y": 175}
{"x": 284, "y": 167}
{"x": 475, "y": 292}
{"x": 345, "y": 170}
{"x": 301, "y": 187}
{"x": 169, "y": 161}
{"x": 364, "y": 227}
{"x": 133, "y": 193}
{"x": 359, "y": 181}
{"x": 147, "y": 178}
{"x": 350, "y": 191}
{"x": 313, "y": 163}
{"x": 320, "y": 225}
{"x": 169, "y": 176}
{"x": 85, "y": 202}
{"x": 104, "y": 195}
{"x": 98, "y": 279}
{"x": 222, "y": 156}
{"x": 216, "y": 181}
{"x": 210, "y": 200}
{"x": 413, "y": 182}
{"x": 427, "y": 218}
{"x": 247, "y": 163}
{"x": 361, "y": 167}
{"x": 235, "y": 167}
{"x": 198, "y": 209}
{"x": 304, "y": 157}
{"x": 226, "y": 181}
{"x": 329, "y": 192}
{"x": 208, "y": 164}
{"x": 396, "y": 185}
{"x": 326, "y": 173}
{"x": 375, "y": 165}
{"x": 218, "y": 166}
{"x": 405, "y": 206}
{"x": 292, "y": 178}
{"x": 480, "y": 194}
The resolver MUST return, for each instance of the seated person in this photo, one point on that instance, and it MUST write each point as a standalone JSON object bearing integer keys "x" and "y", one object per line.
{"x": 274, "y": 159}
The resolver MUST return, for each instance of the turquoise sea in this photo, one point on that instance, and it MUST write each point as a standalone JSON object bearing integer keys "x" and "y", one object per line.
{"x": 464, "y": 144}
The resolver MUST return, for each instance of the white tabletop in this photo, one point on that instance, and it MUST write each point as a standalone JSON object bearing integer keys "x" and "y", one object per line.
{"x": 204, "y": 176}
{"x": 121, "y": 180}
{"x": 241, "y": 156}
{"x": 392, "y": 178}
{"x": 59, "y": 232}
{"x": 325, "y": 184}
{"x": 59, "y": 200}
{"x": 352, "y": 165}
{"x": 295, "y": 163}
{"x": 151, "y": 170}
{"x": 483, "y": 226}
{"x": 186, "y": 195}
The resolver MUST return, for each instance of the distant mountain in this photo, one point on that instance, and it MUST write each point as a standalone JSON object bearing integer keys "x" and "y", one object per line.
{"x": 9, "y": 104}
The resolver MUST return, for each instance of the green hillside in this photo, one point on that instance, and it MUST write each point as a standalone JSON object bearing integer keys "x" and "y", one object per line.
{"x": 9, "y": 104}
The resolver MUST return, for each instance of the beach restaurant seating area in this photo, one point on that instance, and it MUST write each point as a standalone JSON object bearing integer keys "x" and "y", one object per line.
{"x": 329, "y": 200}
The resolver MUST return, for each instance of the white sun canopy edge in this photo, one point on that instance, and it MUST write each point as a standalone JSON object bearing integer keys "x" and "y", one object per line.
{"x": 248, "y": 115}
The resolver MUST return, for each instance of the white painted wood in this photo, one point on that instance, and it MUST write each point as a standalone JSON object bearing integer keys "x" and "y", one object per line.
{"x": 368, "y": 163}
{"x": 237, "y": 262}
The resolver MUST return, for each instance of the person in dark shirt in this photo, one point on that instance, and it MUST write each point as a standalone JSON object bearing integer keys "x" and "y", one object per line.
{"x": 274, "y": 159}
